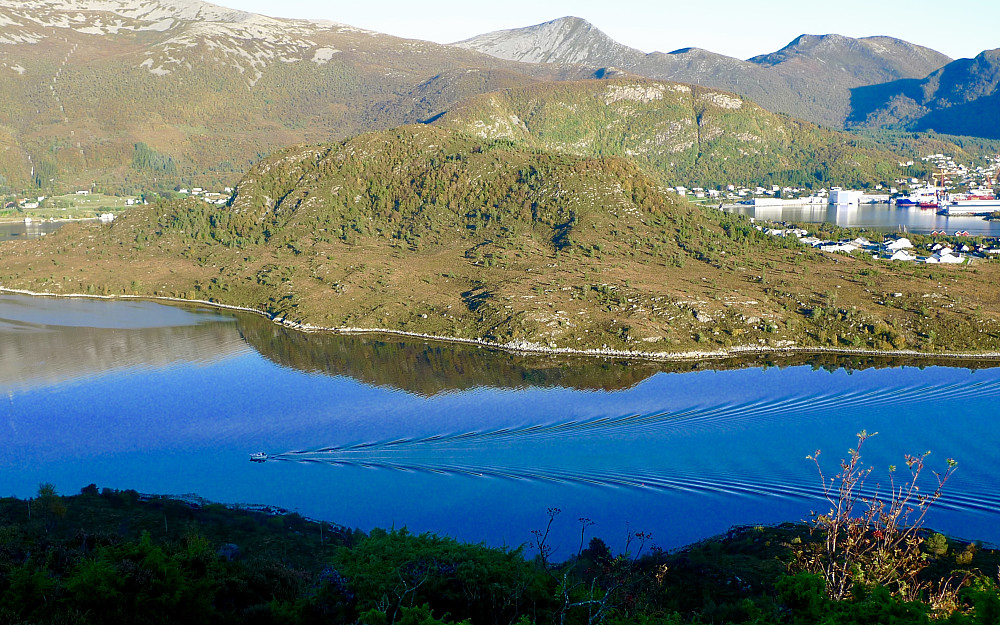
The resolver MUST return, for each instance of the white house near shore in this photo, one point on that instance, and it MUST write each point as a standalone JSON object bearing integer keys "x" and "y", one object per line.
{"x": 899, "y": 244}
{"x": 945, "y": 255}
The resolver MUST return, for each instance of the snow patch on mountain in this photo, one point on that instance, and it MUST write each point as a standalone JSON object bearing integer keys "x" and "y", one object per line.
{"x": 323, "y": 55}
{"x": 244, "y": 41}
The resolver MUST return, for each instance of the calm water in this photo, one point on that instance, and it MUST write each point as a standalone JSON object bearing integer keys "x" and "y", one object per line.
{"x": 21, "y": 230}
{"x": 878, "y": 217}
{"x": 465, "y": 442}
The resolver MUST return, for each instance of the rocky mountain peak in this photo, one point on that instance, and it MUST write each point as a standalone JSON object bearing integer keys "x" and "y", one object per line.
{"x": 874, "y": 59}
{"x": 564, "y": 40}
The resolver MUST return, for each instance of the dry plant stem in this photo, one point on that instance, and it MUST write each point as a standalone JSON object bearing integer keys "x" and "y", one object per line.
{"x": 880, "y": 545}
{"x": 602, "y": 593}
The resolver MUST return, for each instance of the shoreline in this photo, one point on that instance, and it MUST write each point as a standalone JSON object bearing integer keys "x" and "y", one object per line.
{"x": 528, "y": 347}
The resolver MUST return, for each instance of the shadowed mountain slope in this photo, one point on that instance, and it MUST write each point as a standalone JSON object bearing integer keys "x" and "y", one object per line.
{"x": 961, "y": 98}
{"x": 810, "y": 78}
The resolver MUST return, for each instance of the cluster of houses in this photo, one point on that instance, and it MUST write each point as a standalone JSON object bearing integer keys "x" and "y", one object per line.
{"x": 953, "y": 174}
{"x": 897, "y": 249}
{"x": 212, "y": 197}
{"x": 24, "y": 203}
{"x": 756, "y": 194}
{"x": 776, "y": 195}
{"x": 949, "y": 174}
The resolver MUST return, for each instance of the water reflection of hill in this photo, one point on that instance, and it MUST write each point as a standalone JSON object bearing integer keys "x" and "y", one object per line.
{"x": 427, "y": 368}
{"x": 40, "y": 355}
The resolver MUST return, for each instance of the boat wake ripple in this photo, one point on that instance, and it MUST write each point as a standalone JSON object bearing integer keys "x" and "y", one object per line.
{"x": 723, "y": 484}
{"x": 502, "y": 453}
{"x": 690, "y": 419}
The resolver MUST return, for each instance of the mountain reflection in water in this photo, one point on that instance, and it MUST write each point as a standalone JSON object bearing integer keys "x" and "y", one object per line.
{"x": 430, "y": 367}
{"x": 471, "y": 442}
{"x": 45, "y": 341}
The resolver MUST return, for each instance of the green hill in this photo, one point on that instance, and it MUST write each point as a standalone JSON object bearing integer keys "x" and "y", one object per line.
{"x": 682, "y": 134}
{"x": 438, "y": 232}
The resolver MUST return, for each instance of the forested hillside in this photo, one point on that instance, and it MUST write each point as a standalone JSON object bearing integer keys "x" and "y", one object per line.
{"x": 682, "y": 134}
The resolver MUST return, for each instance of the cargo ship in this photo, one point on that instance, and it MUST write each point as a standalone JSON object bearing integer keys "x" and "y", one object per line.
{"x": 922, "y": 198}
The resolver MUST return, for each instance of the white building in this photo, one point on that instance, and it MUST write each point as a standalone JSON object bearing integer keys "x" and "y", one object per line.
{"x": 943, "y": 258}
{"x": 844, "y": 196}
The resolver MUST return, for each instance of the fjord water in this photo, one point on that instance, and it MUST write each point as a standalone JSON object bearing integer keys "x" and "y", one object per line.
{"x": 20, "y": 230}
{"x": 877, "y": 217}
{"x": 471, "y": 443}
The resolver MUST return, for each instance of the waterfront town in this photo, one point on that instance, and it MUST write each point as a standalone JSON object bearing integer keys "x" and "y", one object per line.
{"x": 950, "y": 183}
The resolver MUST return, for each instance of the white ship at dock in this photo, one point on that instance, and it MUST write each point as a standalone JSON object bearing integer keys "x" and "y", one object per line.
{"x": 970, "y": 205}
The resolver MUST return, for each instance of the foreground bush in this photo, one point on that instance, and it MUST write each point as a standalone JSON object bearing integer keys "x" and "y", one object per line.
{"x": 116, "y": 558}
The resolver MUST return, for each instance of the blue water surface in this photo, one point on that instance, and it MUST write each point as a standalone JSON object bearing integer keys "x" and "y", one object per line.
{"x": 680, "y": 455}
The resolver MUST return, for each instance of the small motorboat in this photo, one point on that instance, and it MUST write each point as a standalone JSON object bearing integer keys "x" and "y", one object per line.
{"x": 259, "y": 456}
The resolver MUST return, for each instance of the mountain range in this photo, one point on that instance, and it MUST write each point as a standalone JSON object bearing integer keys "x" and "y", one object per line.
{"x": 130, "y": 95}
{"x": 830, "y": 79}
{"x": 206, "y": 90}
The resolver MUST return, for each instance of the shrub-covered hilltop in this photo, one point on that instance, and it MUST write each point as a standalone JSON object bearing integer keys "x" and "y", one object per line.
{"x": 116, "y": 557}
{"x": 686, "y": 134}
{"x": 434, "y": 231}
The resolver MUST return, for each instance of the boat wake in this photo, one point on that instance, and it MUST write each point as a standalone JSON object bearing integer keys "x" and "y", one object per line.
{"x": 633, "y": 451}
{"x": 664, "y": 481}
{"x": 692, "y": 419}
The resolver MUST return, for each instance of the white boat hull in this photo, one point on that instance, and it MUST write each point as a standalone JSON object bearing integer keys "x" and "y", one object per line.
{"x": 978, "y": 207}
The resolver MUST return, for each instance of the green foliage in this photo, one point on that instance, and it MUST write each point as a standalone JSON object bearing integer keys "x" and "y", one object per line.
{"x": 395, "y": 570}
{"x": 680, "y": 134}
{"x": 419, "y": 615}
{"x": 936, "y": 544}
{"x": 119, "y": 564}
{"x": 147, "y": 159}
{"x": 805, "y": 595}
